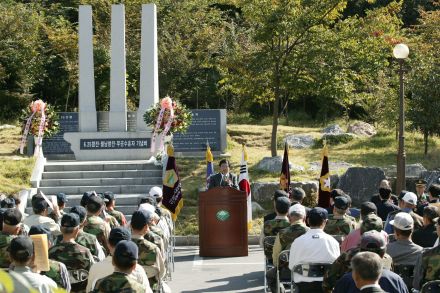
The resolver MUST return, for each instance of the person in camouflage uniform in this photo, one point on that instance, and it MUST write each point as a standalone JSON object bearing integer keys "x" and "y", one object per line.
{"x": 77, "y": 258}
{"x": 283, "y": 241}
{"x": 124, "y": 260}
{"x": 86, "y": 239}
{"x": 110, "y": 208}
{"x": 157, "y": 193}
{"x": 11, "y": 229}
{"x": 339, "y": 223}
{"x": 272, "y": 227}
{"x": 368, "y": 243}
{"x": 96, "y": 225}
{"x": 427, "y": 266}
{"x": 57, "y": 270}
{"x": 150, "y": 257}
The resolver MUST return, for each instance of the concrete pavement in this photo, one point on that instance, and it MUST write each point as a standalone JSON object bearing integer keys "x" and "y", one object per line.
{"x": 194, "y": 274}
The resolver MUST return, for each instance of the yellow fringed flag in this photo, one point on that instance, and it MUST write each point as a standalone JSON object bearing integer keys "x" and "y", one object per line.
{"x": 172, "y": 188}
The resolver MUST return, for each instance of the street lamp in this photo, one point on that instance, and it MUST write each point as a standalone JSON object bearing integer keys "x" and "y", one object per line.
{"x": 401, "y": 52}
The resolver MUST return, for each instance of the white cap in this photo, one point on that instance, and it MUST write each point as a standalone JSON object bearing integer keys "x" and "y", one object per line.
{"x": 297, "y": 209}
{"x": 156, "y": 191}
{"x": 147, "y": 207}
{"x": 403, "y": 221}
{"x": 410, "y": 198}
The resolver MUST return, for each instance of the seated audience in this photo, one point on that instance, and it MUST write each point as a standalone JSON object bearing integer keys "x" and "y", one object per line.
{"x": 427, "y": 235}
{"x": 339, "y": 223}
{"x": 312, "y": 248}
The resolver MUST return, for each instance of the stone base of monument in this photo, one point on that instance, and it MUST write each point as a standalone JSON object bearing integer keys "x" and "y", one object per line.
{"x": 109, "y": 146}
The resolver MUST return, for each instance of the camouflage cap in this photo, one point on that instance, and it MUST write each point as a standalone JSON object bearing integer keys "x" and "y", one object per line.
{"x": 85, "y": 198}
{"x": 95, "y": 202}
{"x": 109, "y": 195}
{"x": 368, "y": 207}
{"x": 372, "y": 241}
{"x": 371, "y": 222}
{"x": 118, "y": 234}
{"x": 80, "y": 211}
{"x": 126, "y": 250}
{"x": 61, "y": 198}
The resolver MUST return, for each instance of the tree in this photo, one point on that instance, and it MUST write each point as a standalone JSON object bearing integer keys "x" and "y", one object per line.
{"x": 424, "y": 102}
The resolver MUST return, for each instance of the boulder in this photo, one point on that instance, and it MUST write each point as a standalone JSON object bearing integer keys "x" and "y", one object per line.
{"x": 411, "y": 170}
{"x": 6, "y": 126}
{"x": 362, "y": 129}
{"x": 299, "y": 141}
{"x": 333, "y": 166}
{"x": 333, "y": 129}
{"x": 361, "y": 183}
{"x": 256, "y": 207}
{"x": 263, "y": 191}
{"x": 432, "y": 177}
{"x": 273, "y": 165}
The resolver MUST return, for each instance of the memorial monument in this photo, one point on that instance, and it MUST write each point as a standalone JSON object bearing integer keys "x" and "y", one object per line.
{"x": 119, "y": 134}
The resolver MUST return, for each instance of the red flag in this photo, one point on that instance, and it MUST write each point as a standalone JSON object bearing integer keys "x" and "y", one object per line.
{"x": 324, "y": 181}
{"x": 285, "y": 172}
{"x": 172, "y": 188}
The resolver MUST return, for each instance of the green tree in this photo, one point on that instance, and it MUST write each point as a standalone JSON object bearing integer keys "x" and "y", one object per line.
{"x": 424, "y": 102}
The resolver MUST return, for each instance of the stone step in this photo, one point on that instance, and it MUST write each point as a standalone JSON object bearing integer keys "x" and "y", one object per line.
{"x": 100, "y": 182}
{"x": 126, "y": 189}
{"x": 102, "y": 174}
{"x": 98, "y": 166}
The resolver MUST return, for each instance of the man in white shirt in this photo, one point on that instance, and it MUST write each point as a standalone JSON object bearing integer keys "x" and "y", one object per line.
{"x": 314, "y": 247}
{"x": 40, "y": 216}
{"x": 105, "y": 268}
{"x": 21, "y": 252}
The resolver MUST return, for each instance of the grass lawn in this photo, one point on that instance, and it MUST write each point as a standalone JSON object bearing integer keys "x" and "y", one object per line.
{"x": 379, "y": 151}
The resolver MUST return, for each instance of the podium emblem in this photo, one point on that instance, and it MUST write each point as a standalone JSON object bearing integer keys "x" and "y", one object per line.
{"x": 223, "y": 215}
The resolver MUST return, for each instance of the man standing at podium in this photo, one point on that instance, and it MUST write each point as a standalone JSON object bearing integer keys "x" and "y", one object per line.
{"x": 224, "y": 177}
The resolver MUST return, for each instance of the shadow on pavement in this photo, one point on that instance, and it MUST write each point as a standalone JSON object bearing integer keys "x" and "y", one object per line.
{"x": 235, "y": 283}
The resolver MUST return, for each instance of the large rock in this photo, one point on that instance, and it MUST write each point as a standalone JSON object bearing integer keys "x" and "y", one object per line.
{"x": 362, "y": 129}
{"x": 7, "y": 126}
{"x": 263, "y": 191}
{"x": 273, "y": 165}
{"x": 411, "y": 170}
{"x": 333, "y": 166}
{"x": 333, "y": 129}
{"x": 299, "y": 141}
{"x": 432, "y": 177}
{"x": 256, "y": 207}
{"x": 361, "y": 183}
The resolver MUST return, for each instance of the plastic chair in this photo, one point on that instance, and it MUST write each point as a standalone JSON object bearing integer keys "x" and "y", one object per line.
{"x": 406, "y": 272}
{"x": 431, "y": 287}
{"x": 283, "y": 264}
{"x": 268, "y": 243}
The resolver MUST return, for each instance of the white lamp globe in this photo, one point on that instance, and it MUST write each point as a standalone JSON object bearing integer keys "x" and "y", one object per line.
{"x": 401, "y": 51}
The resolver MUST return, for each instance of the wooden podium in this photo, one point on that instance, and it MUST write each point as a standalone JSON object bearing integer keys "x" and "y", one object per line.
{"x": 223, "y": 222}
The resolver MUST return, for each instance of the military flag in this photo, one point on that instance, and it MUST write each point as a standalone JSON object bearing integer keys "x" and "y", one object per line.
{"x": 285, "y": 172}
{"x": 244, "y": 185}
{"x": 172, "y": 188}
{"x": 209, "y": 164}
{"x": 324, "y": 181}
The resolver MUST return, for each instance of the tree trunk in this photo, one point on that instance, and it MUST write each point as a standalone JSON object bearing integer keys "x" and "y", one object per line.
{"x": 276, "y": 103}
{"x": 425, "y": 139}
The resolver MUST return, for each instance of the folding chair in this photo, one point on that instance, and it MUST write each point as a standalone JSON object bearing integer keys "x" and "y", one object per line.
{"x": 283, "y": 264}
{"x": 406, "y": 272}
{"x": 431, "y": 287}
{"x": 268, "y": 243}
{"x": 313, "y": 270}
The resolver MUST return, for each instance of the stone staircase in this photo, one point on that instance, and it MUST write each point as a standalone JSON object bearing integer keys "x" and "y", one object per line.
{"x": 128, "y": 180}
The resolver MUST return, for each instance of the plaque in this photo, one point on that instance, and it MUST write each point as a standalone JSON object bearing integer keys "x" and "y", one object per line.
{"x": 56, "y": 144}
{"x": 115, "y": 143}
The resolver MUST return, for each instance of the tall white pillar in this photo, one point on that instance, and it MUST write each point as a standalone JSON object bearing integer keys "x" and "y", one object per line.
{"x": 87, "y": 106}
{"x": 118, "y": 100}
{"x": 149, "y": 80}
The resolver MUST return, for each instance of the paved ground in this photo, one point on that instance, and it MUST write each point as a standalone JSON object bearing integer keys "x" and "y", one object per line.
{"x": 194, "y": 274}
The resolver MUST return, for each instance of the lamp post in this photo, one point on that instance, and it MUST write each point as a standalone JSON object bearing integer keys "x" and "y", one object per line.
{"x": 401, "y": 52}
